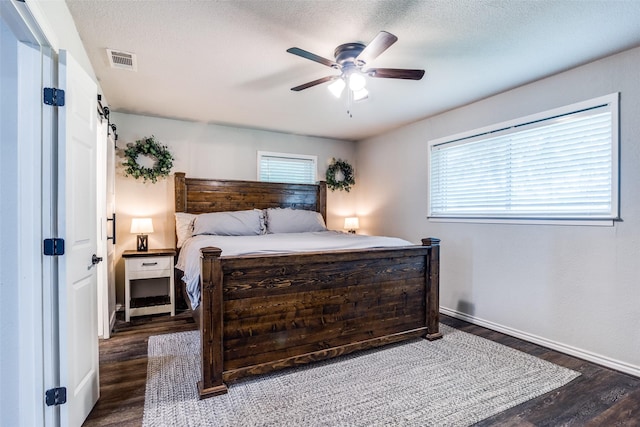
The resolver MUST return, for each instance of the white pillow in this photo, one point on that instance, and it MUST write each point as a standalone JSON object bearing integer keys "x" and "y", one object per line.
{"x": 289, "y": 220}
{"x": 184, "y": 227}
{"x": 236, "y": 223}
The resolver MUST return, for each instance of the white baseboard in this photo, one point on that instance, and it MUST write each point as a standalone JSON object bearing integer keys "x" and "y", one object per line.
{"x": 564, "y": 348}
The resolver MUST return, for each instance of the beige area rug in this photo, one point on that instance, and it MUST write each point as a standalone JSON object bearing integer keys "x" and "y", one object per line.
{"x": 455, "y": 381}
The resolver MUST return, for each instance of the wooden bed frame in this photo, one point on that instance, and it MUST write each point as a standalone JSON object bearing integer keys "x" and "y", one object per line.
{"x": 262, "y": 313}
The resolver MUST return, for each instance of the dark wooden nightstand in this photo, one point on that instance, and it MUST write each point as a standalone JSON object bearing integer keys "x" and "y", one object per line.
{"x": 150, "y": 271}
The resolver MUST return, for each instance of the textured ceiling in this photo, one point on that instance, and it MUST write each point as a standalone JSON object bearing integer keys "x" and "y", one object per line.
{"x": 225, "y": 62}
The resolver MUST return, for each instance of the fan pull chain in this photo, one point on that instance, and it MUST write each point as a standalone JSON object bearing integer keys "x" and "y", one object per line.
{"x": 349, "y": 103}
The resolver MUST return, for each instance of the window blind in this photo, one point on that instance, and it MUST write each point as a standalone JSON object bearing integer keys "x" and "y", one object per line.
{"x": 561, "y": 167}
{"x": 289, "y": 168}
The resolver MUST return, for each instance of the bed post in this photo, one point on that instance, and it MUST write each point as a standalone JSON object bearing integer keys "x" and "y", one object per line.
{"x": 180, "y": 192}
{"x": 433, "y": 289}
{"x": 322, "y": 199}
{"x": 211, "y": 327}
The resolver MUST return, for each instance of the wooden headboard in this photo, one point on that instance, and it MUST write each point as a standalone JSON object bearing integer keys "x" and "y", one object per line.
{"x": 195, "y": 195}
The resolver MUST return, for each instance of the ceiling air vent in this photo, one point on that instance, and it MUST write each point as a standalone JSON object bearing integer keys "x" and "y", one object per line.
{"x": 122, "y": 60}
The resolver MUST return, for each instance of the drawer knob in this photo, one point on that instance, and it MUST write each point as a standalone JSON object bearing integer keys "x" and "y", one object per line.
{"x": 149, "y": 263}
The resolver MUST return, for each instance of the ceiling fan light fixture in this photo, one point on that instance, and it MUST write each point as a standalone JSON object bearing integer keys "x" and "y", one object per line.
{"x": 337, "y": 87}
{"x": 357, "y": 82}
{"x": 360, "y": 95}
{"x": 352, "y": 59}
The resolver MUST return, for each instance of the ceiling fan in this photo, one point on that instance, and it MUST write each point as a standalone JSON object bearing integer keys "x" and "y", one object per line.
{"x": 352, "y": 60}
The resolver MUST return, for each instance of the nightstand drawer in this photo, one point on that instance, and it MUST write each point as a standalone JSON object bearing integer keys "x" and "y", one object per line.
{"x": 149, "y": 263}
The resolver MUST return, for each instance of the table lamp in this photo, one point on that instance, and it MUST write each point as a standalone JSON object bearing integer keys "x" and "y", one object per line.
{"x": 351, "y": 224}
{"x": 142, "y": 226}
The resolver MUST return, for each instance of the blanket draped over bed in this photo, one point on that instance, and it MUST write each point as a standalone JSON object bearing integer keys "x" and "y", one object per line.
{"x": 261, "y": 311}
{"x": 189, "y": 259}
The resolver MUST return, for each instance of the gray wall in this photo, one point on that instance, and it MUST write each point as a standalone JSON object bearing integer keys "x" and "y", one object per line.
{"x": 207, "y": 151}
{"x": 576, "y": 288}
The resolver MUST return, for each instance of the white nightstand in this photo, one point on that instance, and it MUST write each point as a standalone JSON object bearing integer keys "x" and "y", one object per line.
{"x": 150, "y": 271}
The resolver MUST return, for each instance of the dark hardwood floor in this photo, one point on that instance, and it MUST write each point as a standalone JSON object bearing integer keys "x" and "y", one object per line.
{"x": 123, "y": 368}
{"x": 599, "y": 397}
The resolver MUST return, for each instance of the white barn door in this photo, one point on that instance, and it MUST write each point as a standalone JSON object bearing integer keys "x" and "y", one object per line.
{"x": 111, "y": 232}
{"x": 78, "y": 330}
{"x": 106, "y": 229}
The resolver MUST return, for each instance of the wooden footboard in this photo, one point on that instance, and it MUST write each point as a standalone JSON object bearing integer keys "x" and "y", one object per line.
{"x": 264, "y": 313}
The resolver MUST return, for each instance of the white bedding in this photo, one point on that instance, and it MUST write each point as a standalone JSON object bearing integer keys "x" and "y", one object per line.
{"x": 189, "y": 259}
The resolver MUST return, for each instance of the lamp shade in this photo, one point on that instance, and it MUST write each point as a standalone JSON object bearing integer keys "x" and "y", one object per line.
{"x": 351, "y": 223}
{"x": 360, "y": 95}
{"x": 337, "y": 87}
{"x": 141, "y": 226}
{"x": 357, "y": 81}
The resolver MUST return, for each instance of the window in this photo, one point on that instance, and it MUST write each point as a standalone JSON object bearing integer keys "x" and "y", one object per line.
{"x": 290, "y": 168}
{"x": 561, "y": 164}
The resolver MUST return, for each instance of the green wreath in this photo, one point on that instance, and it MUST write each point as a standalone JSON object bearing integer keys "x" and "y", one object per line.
{"x": 151, "y": 148}
{"x": 340, "y": 176}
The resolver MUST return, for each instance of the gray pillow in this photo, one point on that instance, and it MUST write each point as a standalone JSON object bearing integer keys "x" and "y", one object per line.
{"x": 236, "y": 223}
{"x": 289, "y": 220}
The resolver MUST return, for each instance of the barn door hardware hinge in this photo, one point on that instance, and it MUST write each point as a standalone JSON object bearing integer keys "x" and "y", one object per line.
{"x": 56, "y": 396}
{"x": 54, "y": 247}
{"x": 53, "y": 96}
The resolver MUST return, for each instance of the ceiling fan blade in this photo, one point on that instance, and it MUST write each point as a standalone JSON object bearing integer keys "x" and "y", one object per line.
{"x": 313, "y": 57}
{"x": 314, "y": 83}
{"x": 379, "y": 44}
{"x": 395, "y": 73}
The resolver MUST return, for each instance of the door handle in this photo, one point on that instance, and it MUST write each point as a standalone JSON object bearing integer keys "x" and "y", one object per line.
{"x": 94, "y": 260}
{"x": 113, "y": 229}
